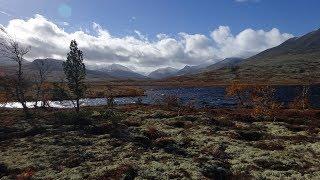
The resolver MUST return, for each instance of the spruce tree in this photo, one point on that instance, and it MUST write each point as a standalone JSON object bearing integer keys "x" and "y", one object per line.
{"x": 75, "y": 72}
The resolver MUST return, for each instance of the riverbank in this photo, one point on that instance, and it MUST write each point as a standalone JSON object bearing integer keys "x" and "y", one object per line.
{"x": 152, "y": 142}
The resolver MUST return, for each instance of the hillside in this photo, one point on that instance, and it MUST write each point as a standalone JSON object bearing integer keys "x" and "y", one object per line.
{"x": 163, "y": 73}
{"x": 296, "y": 61}
{"x": 228, "y": 62}
{"x": 56, "y": 70}
{"x": 188, "y": 70}
{"x": 121, "y": 72}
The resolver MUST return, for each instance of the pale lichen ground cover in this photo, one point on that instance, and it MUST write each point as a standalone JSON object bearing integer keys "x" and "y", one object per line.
{"x": 161, "y": 145}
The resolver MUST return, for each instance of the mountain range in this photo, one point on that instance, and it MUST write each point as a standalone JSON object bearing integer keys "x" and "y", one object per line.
{"x": 295, "y": 61}
{"x": 191, "y": 70}
{"x": 121, "y": 72}
{"x": 162, "y": 73}
{"x": 55, "y": 70}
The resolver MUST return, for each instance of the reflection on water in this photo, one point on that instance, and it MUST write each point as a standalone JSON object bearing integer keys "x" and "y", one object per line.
{"x": 200, "y": 97}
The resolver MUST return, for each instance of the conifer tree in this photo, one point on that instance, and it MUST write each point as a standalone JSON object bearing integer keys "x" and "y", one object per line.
{"x": 75, "y": 72}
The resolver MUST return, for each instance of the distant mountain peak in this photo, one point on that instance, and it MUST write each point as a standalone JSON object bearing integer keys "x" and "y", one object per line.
{"x": 120, "y": 71}
{"x": 117, "y": 67}
{"x": 163, "y": 73}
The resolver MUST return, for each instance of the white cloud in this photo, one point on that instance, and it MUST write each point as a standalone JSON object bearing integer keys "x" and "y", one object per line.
{"x": 247, "y": 42}
{"x": 49, "y": 40}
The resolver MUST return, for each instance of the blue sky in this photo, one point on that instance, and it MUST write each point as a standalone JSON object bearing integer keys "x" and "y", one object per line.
{"x": 173, "y": 16}
{"x": 147, "y": 34}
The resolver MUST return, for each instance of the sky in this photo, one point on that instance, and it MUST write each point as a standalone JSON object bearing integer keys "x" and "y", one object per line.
{"x": 148, "y": 34}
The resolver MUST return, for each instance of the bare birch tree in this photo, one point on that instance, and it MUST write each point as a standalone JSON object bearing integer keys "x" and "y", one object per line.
{"x": 43, "y": 70}
{"x": 11, "y": 49}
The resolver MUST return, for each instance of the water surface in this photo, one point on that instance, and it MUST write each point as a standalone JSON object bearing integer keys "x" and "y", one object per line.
{"x": 198, "y": 96}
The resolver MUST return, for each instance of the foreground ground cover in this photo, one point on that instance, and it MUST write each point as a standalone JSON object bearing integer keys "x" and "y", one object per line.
{"x": 145, "y": 142}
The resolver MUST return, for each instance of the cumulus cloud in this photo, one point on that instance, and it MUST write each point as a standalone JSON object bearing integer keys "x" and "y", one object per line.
{"x": 47, "y": 39}
{"x": 247, "y": 42}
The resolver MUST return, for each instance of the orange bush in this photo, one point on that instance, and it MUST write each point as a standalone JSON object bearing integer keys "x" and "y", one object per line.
{"x": 240, "y": 91}
{"x": 263, "y": 102}
{"x": 299, "y": 103}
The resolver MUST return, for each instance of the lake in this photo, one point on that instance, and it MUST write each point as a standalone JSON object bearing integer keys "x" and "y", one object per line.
{"x": 199, "y": 96}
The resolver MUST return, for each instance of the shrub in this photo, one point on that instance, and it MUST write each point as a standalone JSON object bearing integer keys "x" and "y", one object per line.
{"x": 73, "y": 118}
{"x": 271, "y": 146}
{"x": 301, "y": 102}
{"x": 263, "y": 102}
{"x": 239, "y": 91}
{"x": 112, "y": 115}
{"x": 124, "y": 171}
{"x": 250, "y": 135}
{"x": 3, "y": 98}
{"x": 153, "y": 133}
{"x": 190, "y": 106}
{"x": 164, "y": 142}
{"x": 59, "y": 92}
{"x": 171, "y": 101}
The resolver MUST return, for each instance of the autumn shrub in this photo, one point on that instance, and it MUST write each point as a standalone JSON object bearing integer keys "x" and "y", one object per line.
{"x": 240, "y": 92}
{"x": 153, "y": 133}
{"x": 263, "y": 102}
{"x": 26, "y": 174}
{"x": 301, "y": 102}
{"x": 123, "y": 171}
{"x": 132, "y": 122}
{"x": 164, "y": 142}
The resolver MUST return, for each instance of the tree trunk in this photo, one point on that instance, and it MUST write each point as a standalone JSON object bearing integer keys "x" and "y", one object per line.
{"x": 78, "y": 105}
{"x": 20, "y": 92}
{"x": 43, "y": 99}
{"x": 25, "y": 110}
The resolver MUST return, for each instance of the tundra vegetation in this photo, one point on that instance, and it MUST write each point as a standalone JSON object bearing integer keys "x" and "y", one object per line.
{"x": 259, "y": 139}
